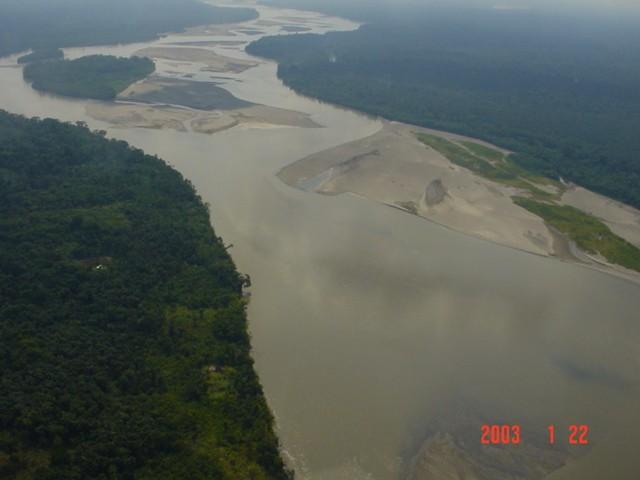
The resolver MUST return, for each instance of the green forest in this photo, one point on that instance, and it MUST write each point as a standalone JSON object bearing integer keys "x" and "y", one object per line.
{"x": 100, "y": 77}
{"x": 38, "y": 24}
{"x": 560, "y": 91}
{"x": 124, "y": 352}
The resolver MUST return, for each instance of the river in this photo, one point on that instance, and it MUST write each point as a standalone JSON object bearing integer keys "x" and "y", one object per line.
{"x": 371, "y": 328}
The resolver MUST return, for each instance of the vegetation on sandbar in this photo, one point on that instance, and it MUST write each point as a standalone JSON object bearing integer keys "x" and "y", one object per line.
{"x": 491, "y": 164}
{"x": 100, "y": 77}
{"x": 589, "y": 233}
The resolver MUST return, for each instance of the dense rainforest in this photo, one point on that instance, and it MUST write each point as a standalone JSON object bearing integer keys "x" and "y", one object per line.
{"x": 559, "y": 90}
{"x": 124, "y": 349}
{"x": 99, "y": 77}
{"x": 41, "y": 24}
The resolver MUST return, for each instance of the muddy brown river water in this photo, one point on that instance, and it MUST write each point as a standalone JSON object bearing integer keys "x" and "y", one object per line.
{"x": 374, "y": 330}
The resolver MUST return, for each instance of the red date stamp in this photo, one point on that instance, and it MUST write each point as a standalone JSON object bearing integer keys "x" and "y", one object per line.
{"x": 512, "y": 434}
{"x": 501, "y": 435}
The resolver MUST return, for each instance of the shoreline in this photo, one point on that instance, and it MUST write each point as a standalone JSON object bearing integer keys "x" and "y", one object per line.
{"x": 596, "y": 266}
{"x": 389, "y": 166}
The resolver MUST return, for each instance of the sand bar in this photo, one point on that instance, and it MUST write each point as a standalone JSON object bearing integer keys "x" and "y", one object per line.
{"x": 128, "y": 115}
{"x": 394, "y": 168}
{"x": 213, "y": 61}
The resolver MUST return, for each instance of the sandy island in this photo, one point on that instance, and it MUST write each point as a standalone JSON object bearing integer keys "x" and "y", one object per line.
{"x": 130, "y": 115}
{"x": 394, "y": 168}
{"x": 213, "y": 61}
{"x": 184, "y": 105}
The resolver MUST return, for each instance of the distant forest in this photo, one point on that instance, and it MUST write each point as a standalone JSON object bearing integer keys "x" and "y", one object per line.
{"x": 42, "y": 24}
{"x": 124, "y": 351}
{"x": 41, "y": 55}
{"x": 562, "y": 92}
{"x": 100, "y": 77}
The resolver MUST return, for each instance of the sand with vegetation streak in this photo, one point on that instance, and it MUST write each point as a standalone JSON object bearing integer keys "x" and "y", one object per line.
{"x": 393, "y": 167}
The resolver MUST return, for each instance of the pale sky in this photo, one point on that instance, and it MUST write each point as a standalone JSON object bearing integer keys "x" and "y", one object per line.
{"x": 541, "y": 3}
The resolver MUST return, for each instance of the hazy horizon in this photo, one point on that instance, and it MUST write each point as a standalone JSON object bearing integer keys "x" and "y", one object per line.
{"x": 612, "y": 6}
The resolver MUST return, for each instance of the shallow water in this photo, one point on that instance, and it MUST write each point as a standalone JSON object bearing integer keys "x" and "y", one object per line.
{"x": 370, "y": 326}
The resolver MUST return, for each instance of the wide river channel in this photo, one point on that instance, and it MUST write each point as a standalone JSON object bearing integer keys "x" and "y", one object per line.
{"x": 373, "y": 329}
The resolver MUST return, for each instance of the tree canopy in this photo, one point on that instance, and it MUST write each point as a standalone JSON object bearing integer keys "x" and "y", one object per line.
{"x": 124, "y": 349}
{"x": 99, "y": 77}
